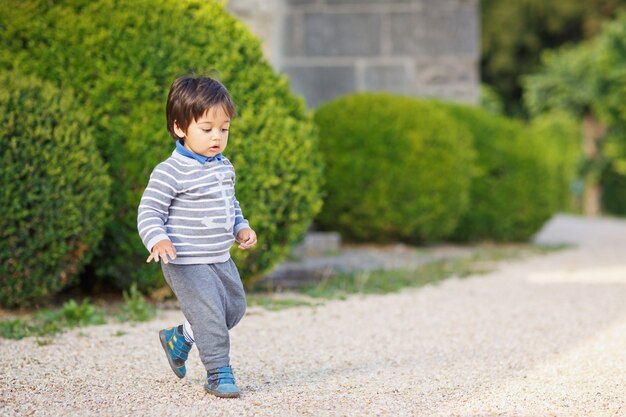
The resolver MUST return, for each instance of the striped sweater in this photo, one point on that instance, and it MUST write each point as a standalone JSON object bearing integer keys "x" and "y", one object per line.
{"x": 194, "y": 206}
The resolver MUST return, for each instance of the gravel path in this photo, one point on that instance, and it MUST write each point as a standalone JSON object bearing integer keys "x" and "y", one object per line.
{"x": 540, "y": 337}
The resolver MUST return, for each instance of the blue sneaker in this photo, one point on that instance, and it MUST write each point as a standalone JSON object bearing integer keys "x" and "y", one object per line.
{"x": 221, "y": 383}
{"x": 176, "y": 349}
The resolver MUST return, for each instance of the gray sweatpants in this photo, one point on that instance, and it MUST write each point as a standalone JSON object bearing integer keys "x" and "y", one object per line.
{"x": 212, "y": 299}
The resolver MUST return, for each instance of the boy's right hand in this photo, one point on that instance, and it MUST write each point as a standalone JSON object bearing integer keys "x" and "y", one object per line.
{"x": 162, "y": 249}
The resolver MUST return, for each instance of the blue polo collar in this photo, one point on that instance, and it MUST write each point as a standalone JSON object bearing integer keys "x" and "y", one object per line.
{"x": 180, "y": 148}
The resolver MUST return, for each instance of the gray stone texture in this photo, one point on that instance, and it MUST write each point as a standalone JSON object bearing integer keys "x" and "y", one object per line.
{"x": 392, "y": 78}
{"x": 369, "y": 2}
{"x": 318, "y": 244}
{"x": 264, "y": 19}
{"x": 333, "y": 47}
{"x": 292, "y": 41}
{"x": 300, "y": 2}
{"x": 320, "y": 84}
{"x": 342, "y": 34}
{"x": 436, "y": 31}
{"x": 445, "y": 72}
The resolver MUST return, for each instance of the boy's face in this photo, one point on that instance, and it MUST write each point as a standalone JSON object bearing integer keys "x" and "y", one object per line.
{"x": 208, "y": 135}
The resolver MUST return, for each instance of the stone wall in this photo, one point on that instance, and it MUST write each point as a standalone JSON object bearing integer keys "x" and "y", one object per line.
{"x": 265, "y": 20}
{"x": 333, "y": 47}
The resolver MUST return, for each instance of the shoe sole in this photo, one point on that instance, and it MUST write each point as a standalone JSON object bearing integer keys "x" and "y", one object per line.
{"x": 169, "y": 358}
{"x": 222, "y": 394}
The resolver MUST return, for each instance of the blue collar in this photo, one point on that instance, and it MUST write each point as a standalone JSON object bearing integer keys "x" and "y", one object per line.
{"x": 180, "y": 148}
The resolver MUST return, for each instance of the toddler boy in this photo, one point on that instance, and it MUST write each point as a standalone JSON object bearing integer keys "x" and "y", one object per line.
{"x": 189, "y": 214}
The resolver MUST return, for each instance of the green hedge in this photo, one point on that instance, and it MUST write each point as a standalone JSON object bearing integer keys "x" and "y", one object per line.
{"x": 396, "y": 168}
{"x": 54, "y": 190}
{"x": 519, "y": 179}
{"x": 560, "y": 136}
{"x": 121, "y": 61}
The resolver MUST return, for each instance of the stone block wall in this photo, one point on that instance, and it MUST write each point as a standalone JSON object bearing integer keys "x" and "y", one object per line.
{"x": 333, "y": 47}
{"x": 264, "y": 18}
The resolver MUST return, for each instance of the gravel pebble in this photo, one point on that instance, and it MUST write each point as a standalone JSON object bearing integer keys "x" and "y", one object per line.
{"x": 543, "y": 336}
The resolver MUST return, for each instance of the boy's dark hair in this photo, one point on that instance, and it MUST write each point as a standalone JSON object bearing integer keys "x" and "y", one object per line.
{"x": 190, "y": 97}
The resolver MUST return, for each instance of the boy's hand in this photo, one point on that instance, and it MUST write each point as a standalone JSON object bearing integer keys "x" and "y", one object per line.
{"x": 162, "y": 249}
{"x": 246, "y": 238}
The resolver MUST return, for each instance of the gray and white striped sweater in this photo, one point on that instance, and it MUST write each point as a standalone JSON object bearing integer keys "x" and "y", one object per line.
{"x": 194, "y": 206}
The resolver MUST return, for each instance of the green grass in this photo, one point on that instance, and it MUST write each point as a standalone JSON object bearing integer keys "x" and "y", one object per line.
{"x": 386, "y": 281}
{"x": 482, "y": 261}
{"x": 135, "y": 307}
{"x": 47, "y": 322}
{"x": 276, "y": 301}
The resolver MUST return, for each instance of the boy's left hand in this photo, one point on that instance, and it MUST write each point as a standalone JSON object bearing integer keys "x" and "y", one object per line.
{"x": 246, "y": 238}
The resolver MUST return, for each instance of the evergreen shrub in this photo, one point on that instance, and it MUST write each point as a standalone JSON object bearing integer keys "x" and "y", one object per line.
{"x": 121, "y": 60}
{"x": 517, "y": 182}
{"x": 54, "y": 190}
{"x": 396, "y": 168}
{"x": 560, "y": 137}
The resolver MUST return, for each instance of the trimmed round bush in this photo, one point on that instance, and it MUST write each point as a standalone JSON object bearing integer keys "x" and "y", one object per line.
{"x": 396, "y": 168}
{"x": 54, "y": 194}
{"x": 121, "y": 61}
{"x": 559, "y": 135}
{"x": 516, "y": 187}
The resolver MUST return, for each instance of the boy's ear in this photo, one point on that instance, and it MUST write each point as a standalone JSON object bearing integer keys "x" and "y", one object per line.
{"x": 179, "y": 132}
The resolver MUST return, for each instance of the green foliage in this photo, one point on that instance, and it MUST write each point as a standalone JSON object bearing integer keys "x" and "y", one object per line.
{"x": 590, "y": 80}
{"x": 382, "y": 281}
{"x": 613, "y": 195}
{"x": 481, "y": 261}
{"x": 490, "y": 101}
{"x": 84, "y": 314}
{"x": 568, "y": 82}
{"x": 516, "y": 185}
{"x": 46, "y": 322}
{"x": 73, "y": 314}
{"x": 560, "y": 135}
{"x": 121, "y": 61}
{"x": 397, "y": 168}
{"x": 613, "y": 175}
{"x": 611, "y": 67}
{"x": 135, "y": 307}
{"x": 274, "y": 303}
{"x": 533, "y": 26}
{"x": 54, "y": 190}
{"x": 13, "y": 329}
